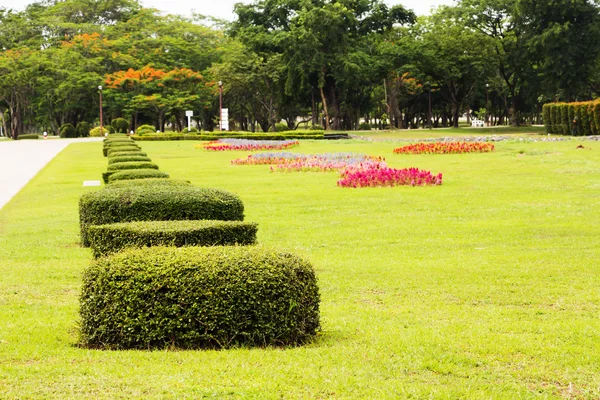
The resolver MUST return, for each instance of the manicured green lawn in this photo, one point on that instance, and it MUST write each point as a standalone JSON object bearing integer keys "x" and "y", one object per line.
{"x": 484, "y": 287}
{"x": 452, "y": 132}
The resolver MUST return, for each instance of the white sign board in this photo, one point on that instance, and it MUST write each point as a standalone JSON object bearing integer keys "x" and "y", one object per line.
{"x": 225, "y": 119}
{"x": 91, "y": 183}
{"x": 189, "y": 113}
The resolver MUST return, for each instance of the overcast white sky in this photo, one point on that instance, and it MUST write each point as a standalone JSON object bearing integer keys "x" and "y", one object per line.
{"x": 224, "y": 8}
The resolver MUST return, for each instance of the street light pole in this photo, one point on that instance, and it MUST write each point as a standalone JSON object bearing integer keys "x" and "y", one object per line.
{"x": 220, "y": 106}
{"x": 101, "y": 128}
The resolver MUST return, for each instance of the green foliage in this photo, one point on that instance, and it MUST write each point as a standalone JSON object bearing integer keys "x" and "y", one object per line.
{"x": 123, "y": 166}
{"x": 137, "y": 174}
{"x": 29, "y": 136}
{"x": 193, "y": 129}
{"x": 128, "y": 148}
{"x": 155, "y": 202}
{"x": 581, "y": 119}
{"x": 95, "y": 132}
{"x": 126, "y": 153}
{"x": 68, "y": 131}
{"x": 107, "y": 239}
{"x": 364, "y": 126}
{"x": 150, "y": 182}
{"x": 145, "y": 129}
{"x": 120, "y": 125}
{"x": 198, "y": 297}
{"x": 281, "y": 127}
{"x": 82, "y": 129}
{"x": 122, "y": 159}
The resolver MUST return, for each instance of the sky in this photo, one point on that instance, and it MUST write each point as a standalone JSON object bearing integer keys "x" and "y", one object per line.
{"x": 224, "y": 8}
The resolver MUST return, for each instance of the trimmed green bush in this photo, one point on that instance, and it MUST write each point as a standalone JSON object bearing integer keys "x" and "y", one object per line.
{"x": 127, "y": 153}
{"x": 137, "y": 174}
{"x": 126, "y": 166}
{"x": 145, "y": 129}
{"x": 154, "y": 202}
{"x": 150, "y": 182}
{"x": 82, "y": 129}
{"x": 28, "y": 136}
{"x": 364, "y": 126}
{"x": 132, "y": 165}
{"x": 115, "y": 160}
{"x": 198, "y": 297}
{"x": 121, "y": 149}
{"x": 193, "y": 129}
{"x": 120, "y": 125}
{"x": 67, "y": 131}
{"x": 559, "y": 117}
{"x": 108, "y": 239}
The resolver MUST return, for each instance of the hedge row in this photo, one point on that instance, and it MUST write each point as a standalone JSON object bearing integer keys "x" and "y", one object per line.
{"x": 150, "y": 182}
{"x": 577, "y": 119}
{"x": 128, "y": 166}
{"x": 156, "y": 203}
{"x": 115, "y": 160}
{"x": 191, "y": 136}
{"x": 28, "y": 136}
{"x": 107, "y": 239}
{"x": 137, "y": 174}
{"x": 198, "y": 297}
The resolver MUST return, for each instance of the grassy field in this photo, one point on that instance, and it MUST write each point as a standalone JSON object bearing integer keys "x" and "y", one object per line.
{"x": 484, "y": 287}
{"x": 400, "y": 134}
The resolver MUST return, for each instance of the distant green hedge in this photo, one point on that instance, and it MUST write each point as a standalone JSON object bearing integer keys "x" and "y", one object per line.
{"x": 28, "y": 136}
{"x": 146, "y": 182}
{"x": 156, "y": 203}
{"x": 560, "y": 118}
{"x": 137, "y": 174}
{"x": 115, "y": 160}
{"x": 314, "y": 135}
{"x": 108, "y": 239}
{"x": 198, "y": 297}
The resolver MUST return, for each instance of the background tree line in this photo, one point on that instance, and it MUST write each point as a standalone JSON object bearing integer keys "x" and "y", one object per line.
{"x": 330, "y": 63}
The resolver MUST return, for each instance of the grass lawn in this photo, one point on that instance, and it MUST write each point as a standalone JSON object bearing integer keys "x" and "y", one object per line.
{"x": 453, "y": 132}
{"x": 484, "y": 287}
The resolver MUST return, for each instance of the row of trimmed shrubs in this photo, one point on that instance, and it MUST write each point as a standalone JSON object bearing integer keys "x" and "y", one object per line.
{"x": 298, "y": 134}
{"x": 127, "y": 161}
{"x": 153, "y": 286}
{"x": 577, "y": 119}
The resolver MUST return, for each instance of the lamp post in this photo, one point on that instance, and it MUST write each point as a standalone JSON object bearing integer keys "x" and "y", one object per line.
{"x": 101, "y": 128}
{"x": 220, "y": 105}
{"x": 487, "y": 103}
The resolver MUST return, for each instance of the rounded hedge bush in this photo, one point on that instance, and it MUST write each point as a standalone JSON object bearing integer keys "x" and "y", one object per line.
{"x": 143, "y": 129}
{"x": 95, "y": 132}
{"x": 137, "y": 174}
{"x": 68, "y": 131}
{"x": 147, "y": 182}
{"x": 132, "y": 165}
{"x": 111, "y": 238}
{"x": 120, "y": 125}
{"x": 198, "y": 297}
{"x": 121, "y": 153}
{"x": 156, "y": 203}
{"x": 122, "y": 149}
{"x": 82, "y": 129}
{"x": 115, "y": 160}
{"x": 126, "y": 166}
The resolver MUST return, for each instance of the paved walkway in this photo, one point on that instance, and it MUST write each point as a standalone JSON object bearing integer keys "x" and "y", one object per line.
{"x": 21, "y": 160}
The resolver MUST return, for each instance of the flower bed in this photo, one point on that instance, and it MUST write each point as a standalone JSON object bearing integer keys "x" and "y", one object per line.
{"x": 292, "y": 162}
{"x": 445, "y": 148}
{"x": 375, "y": 175}
{"x": 248, "y": 145}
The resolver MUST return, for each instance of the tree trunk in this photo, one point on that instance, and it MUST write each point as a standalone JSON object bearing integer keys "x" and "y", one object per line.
{"x": 325, "y": 110}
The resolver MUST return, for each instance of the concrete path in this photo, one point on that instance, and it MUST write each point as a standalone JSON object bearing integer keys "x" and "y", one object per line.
{"x": 21, "y": 160}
